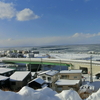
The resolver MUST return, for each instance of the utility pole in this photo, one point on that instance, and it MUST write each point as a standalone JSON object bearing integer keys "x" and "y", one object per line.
{"x": 60, "y": 65}
{"x": 91, "y": 78}
{"x": 30, "y": 65}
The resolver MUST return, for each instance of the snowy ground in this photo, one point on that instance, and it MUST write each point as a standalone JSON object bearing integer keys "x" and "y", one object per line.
{"x": 27, "y": 93}
{"x": 46, "y": 93}
{"x": 95, "y": 83}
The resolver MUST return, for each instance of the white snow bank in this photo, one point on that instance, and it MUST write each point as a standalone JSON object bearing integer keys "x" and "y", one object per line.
{"x": 94, "y": 96}
{"x": 27, "y": 93}
{"x": 10, "y": 95}
{"x": 69, "y": 95}
{"x": 40, "y": 94}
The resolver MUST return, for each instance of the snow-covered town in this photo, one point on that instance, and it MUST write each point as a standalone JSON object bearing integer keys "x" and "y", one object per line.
{"x": 49, "y": 50}
{"x": 45, "y": 82}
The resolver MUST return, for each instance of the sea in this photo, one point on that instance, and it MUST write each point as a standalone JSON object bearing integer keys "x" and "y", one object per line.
{"x": 75, "y": 52}
{"x": 78, "y": 52}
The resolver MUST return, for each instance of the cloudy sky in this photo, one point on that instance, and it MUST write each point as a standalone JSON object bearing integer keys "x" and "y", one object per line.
{"x": 49, "y": 22}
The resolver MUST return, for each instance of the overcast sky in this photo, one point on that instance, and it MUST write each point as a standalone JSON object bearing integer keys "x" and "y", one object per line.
{"x": 49, "y": 22}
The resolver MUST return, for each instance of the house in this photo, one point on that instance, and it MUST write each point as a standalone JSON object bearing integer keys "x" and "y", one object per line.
{"x": 4, "y": 82}
{"x": 71, "y": 74}
{"x": 50, "y": 76}
{"x": 69, "y": 79}
{"x": 19, "y": 79}
{"x": 6, "y": 71}
{"x": 37, "y": 83}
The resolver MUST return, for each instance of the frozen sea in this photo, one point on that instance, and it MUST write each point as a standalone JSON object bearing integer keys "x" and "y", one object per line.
{"x": 75, "y": 52}
{"x": 79, "y": 52}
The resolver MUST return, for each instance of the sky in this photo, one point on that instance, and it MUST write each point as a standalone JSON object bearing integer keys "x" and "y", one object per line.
{"x": 49, "y": 22}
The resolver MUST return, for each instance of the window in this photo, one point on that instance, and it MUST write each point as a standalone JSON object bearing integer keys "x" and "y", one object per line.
{"x": 75, "y": 76}
{"x": 64, "y": 76}
{"x": 49, "y": 78}
{"x": 44, "y": 78}
{"x": 59, "y": 88}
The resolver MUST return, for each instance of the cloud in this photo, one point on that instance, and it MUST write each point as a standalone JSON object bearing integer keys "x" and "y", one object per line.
{"x": 26, "y": 14}
{"x": 88, "y": 35}
{"x": 7, "y": 10}
{"x": 10, "y": 39}
{"x": 77, "y": 38}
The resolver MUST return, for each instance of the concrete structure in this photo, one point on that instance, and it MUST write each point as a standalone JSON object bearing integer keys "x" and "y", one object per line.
{"x": 73, "y": 64}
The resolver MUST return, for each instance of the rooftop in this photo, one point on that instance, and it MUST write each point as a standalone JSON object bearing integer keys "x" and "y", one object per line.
{"x": 38, "y": 80}
{"x": 19, "y": 75}
{"x": 3, "y": 77}
{"x": 49, "y": 72}
{"x": 4, "y": 70}
{"x": 67, "y": 82}
{"x": 71, "y": 71}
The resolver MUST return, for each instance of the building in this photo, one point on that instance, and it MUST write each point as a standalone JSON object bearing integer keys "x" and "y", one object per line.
{"x": 70, "y": 74}
{"x": 19, "y": 79}
{"x": 50, "y": 76}
{"x": 4, "y": 82}
{"x": 37, "y": 83}
{"x": 69, "y": 79}
{"x": 6, "y": 71}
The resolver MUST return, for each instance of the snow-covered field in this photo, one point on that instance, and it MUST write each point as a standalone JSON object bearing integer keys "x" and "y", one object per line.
{"x": 71, "y": 56}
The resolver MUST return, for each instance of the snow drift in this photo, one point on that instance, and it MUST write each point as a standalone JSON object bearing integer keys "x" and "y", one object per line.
{"x": 27, "y": 93}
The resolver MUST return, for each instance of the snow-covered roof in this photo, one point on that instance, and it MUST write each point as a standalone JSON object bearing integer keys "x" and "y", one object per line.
{"x": 4, "y": 70}
{"x": 3, "y": 77}
{"x": 19, "y": 75}
{"x": 71, "y": 71}
{"x": 39, "y": 80}
{"x": 33, "y": 73}
{"x": 44, "y": 85}
{"x": 67, "y": 82}
{"x": 49, "y": 72}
